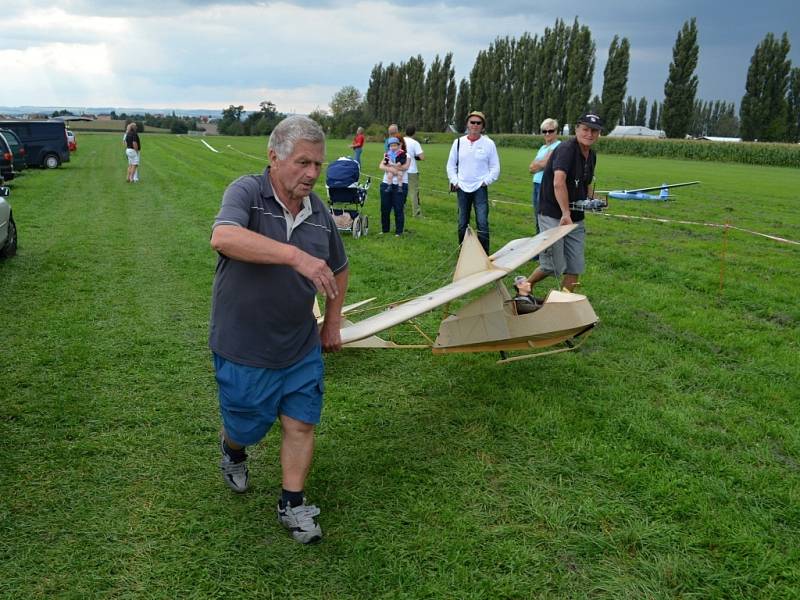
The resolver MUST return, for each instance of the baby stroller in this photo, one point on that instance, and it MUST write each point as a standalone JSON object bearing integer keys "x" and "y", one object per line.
{"x": 345, "y": 191}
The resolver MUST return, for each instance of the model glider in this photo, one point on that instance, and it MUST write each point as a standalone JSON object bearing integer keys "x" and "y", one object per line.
{"x": 640, "y": 193}
{"x": 489, "y": 322}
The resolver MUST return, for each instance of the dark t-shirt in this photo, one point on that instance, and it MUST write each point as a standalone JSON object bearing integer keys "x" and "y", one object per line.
{"x": 131, "y": 137}
{"x": 262, "y": 315}
{"x": 567, "y": 157}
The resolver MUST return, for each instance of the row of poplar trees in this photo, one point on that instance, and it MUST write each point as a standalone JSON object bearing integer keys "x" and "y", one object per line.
{"x": 406, "y": 93}
{"x": 520, "y": 82}
{"x": 516, "y": 82}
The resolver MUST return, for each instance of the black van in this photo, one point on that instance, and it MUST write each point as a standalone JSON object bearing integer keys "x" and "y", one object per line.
{"x": 6, "y": 159}
{"x": 45, "y": 141}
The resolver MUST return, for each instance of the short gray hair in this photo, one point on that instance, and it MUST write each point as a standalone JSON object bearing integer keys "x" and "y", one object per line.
{"x": 291, "y": 130}
{"x": 549, "y": 123}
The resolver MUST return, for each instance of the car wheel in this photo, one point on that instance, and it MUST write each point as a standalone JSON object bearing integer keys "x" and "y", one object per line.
{"x": 10, "y": 247}
{"x": 51, "y": 161}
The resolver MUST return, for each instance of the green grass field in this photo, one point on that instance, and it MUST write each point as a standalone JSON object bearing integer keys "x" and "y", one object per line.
{"x": 662, "y": 460}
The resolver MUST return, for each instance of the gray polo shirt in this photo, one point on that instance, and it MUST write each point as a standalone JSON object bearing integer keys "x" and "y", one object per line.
{"x": 262, "y": 315}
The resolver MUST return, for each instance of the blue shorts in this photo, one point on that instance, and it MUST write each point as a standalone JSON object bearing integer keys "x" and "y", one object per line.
{"x": 251, "y": 398}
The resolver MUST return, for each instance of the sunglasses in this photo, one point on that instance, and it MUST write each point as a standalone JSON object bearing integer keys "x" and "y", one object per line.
{"x": 476, "y": 122}
{"x": 548, "y": 130}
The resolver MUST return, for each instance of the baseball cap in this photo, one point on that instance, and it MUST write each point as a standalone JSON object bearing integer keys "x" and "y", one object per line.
{"x": 392, "y": 140}
{"x": 479, "y": 114}
{"x": 519, "y": 279}
{"x": 590, "y": 120}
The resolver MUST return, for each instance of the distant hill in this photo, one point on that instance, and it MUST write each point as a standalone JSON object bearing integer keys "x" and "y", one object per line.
{"x": 97, "y": 110}
{"x": 106, "y": 126}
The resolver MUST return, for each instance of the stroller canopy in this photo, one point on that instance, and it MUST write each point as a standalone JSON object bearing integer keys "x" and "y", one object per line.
{"x": 343, "y": 173}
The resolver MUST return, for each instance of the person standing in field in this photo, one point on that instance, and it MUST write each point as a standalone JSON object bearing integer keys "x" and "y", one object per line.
{"x": 393, "y": 131}
{"x": 394, "y": 187}
{"x": 472, "y": 166}
{"x": 278, "y": 247}
{"x": 568, "y": 177}
{"x": 133, "y": 147}
{"x": 549, "y": 129}
{"x": 358, "y": 145}
{"x": 415, "y": 153}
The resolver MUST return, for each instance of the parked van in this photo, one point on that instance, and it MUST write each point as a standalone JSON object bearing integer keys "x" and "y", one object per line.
{"x": 45, "y": 141}
{"x": 6, "y": 159}
{"x": 17, "y": 149}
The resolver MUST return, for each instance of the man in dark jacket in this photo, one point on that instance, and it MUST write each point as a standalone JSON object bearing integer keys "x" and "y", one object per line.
{"x": 567, "y": 178}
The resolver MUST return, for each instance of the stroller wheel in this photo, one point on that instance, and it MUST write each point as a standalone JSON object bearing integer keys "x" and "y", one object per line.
{"x": 364, "y": 224}
{"x": 356, "y": 227}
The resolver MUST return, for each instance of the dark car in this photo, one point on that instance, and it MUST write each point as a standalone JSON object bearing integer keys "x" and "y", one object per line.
{"x": 17, "y": 149}
{"x": 6, "y": 159}
{"x": 45, "y": 141}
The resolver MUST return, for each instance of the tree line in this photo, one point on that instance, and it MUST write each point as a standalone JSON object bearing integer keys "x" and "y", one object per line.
{"x": 518, "y": 82}
{"x": 260, "y": 122}
{"x": 173, "y": 122}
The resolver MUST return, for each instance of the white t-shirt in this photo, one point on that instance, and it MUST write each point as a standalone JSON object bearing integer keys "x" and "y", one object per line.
{"x": 413, "y": 148}
{"x": 473, "y": 164}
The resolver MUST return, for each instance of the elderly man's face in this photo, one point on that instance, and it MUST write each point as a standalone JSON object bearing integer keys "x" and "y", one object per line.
{"x": 295, "y": 175}
{"x": 586, "y": 135}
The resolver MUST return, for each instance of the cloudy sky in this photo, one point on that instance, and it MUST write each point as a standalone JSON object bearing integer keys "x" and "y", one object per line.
{"x": 205, "y": 54}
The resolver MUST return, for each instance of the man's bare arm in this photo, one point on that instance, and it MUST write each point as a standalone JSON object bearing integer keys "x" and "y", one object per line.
{"x": 244, "y": 245}
{"x": 562, "y": 196}
{"x": 330, "y": 333}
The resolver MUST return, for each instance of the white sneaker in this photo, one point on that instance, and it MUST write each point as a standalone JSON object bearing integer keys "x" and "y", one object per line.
{"x": 299, "y": 520}
{"x": 236, "y": 475}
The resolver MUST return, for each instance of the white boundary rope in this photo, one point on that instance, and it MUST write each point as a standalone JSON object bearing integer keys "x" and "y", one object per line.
{"x": 209, "y": 146}
{"x": 662, "y": 220}
{"x": 704, "y": 224}
{"x": 259, "y": 158}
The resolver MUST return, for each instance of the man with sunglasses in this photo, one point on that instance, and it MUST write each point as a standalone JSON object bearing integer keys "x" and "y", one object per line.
{"x": 567, "y": 178}
{"x": 473, "y": 165}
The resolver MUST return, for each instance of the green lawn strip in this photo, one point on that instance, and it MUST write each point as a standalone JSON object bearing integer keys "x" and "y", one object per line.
{"x": 661, "y": 460}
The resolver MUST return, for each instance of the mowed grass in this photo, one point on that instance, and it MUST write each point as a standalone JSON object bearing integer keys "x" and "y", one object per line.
{"x": 661, "y": 460}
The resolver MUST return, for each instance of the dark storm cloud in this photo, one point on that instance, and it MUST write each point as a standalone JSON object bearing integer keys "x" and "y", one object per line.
{"x": 330, "y": 43}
